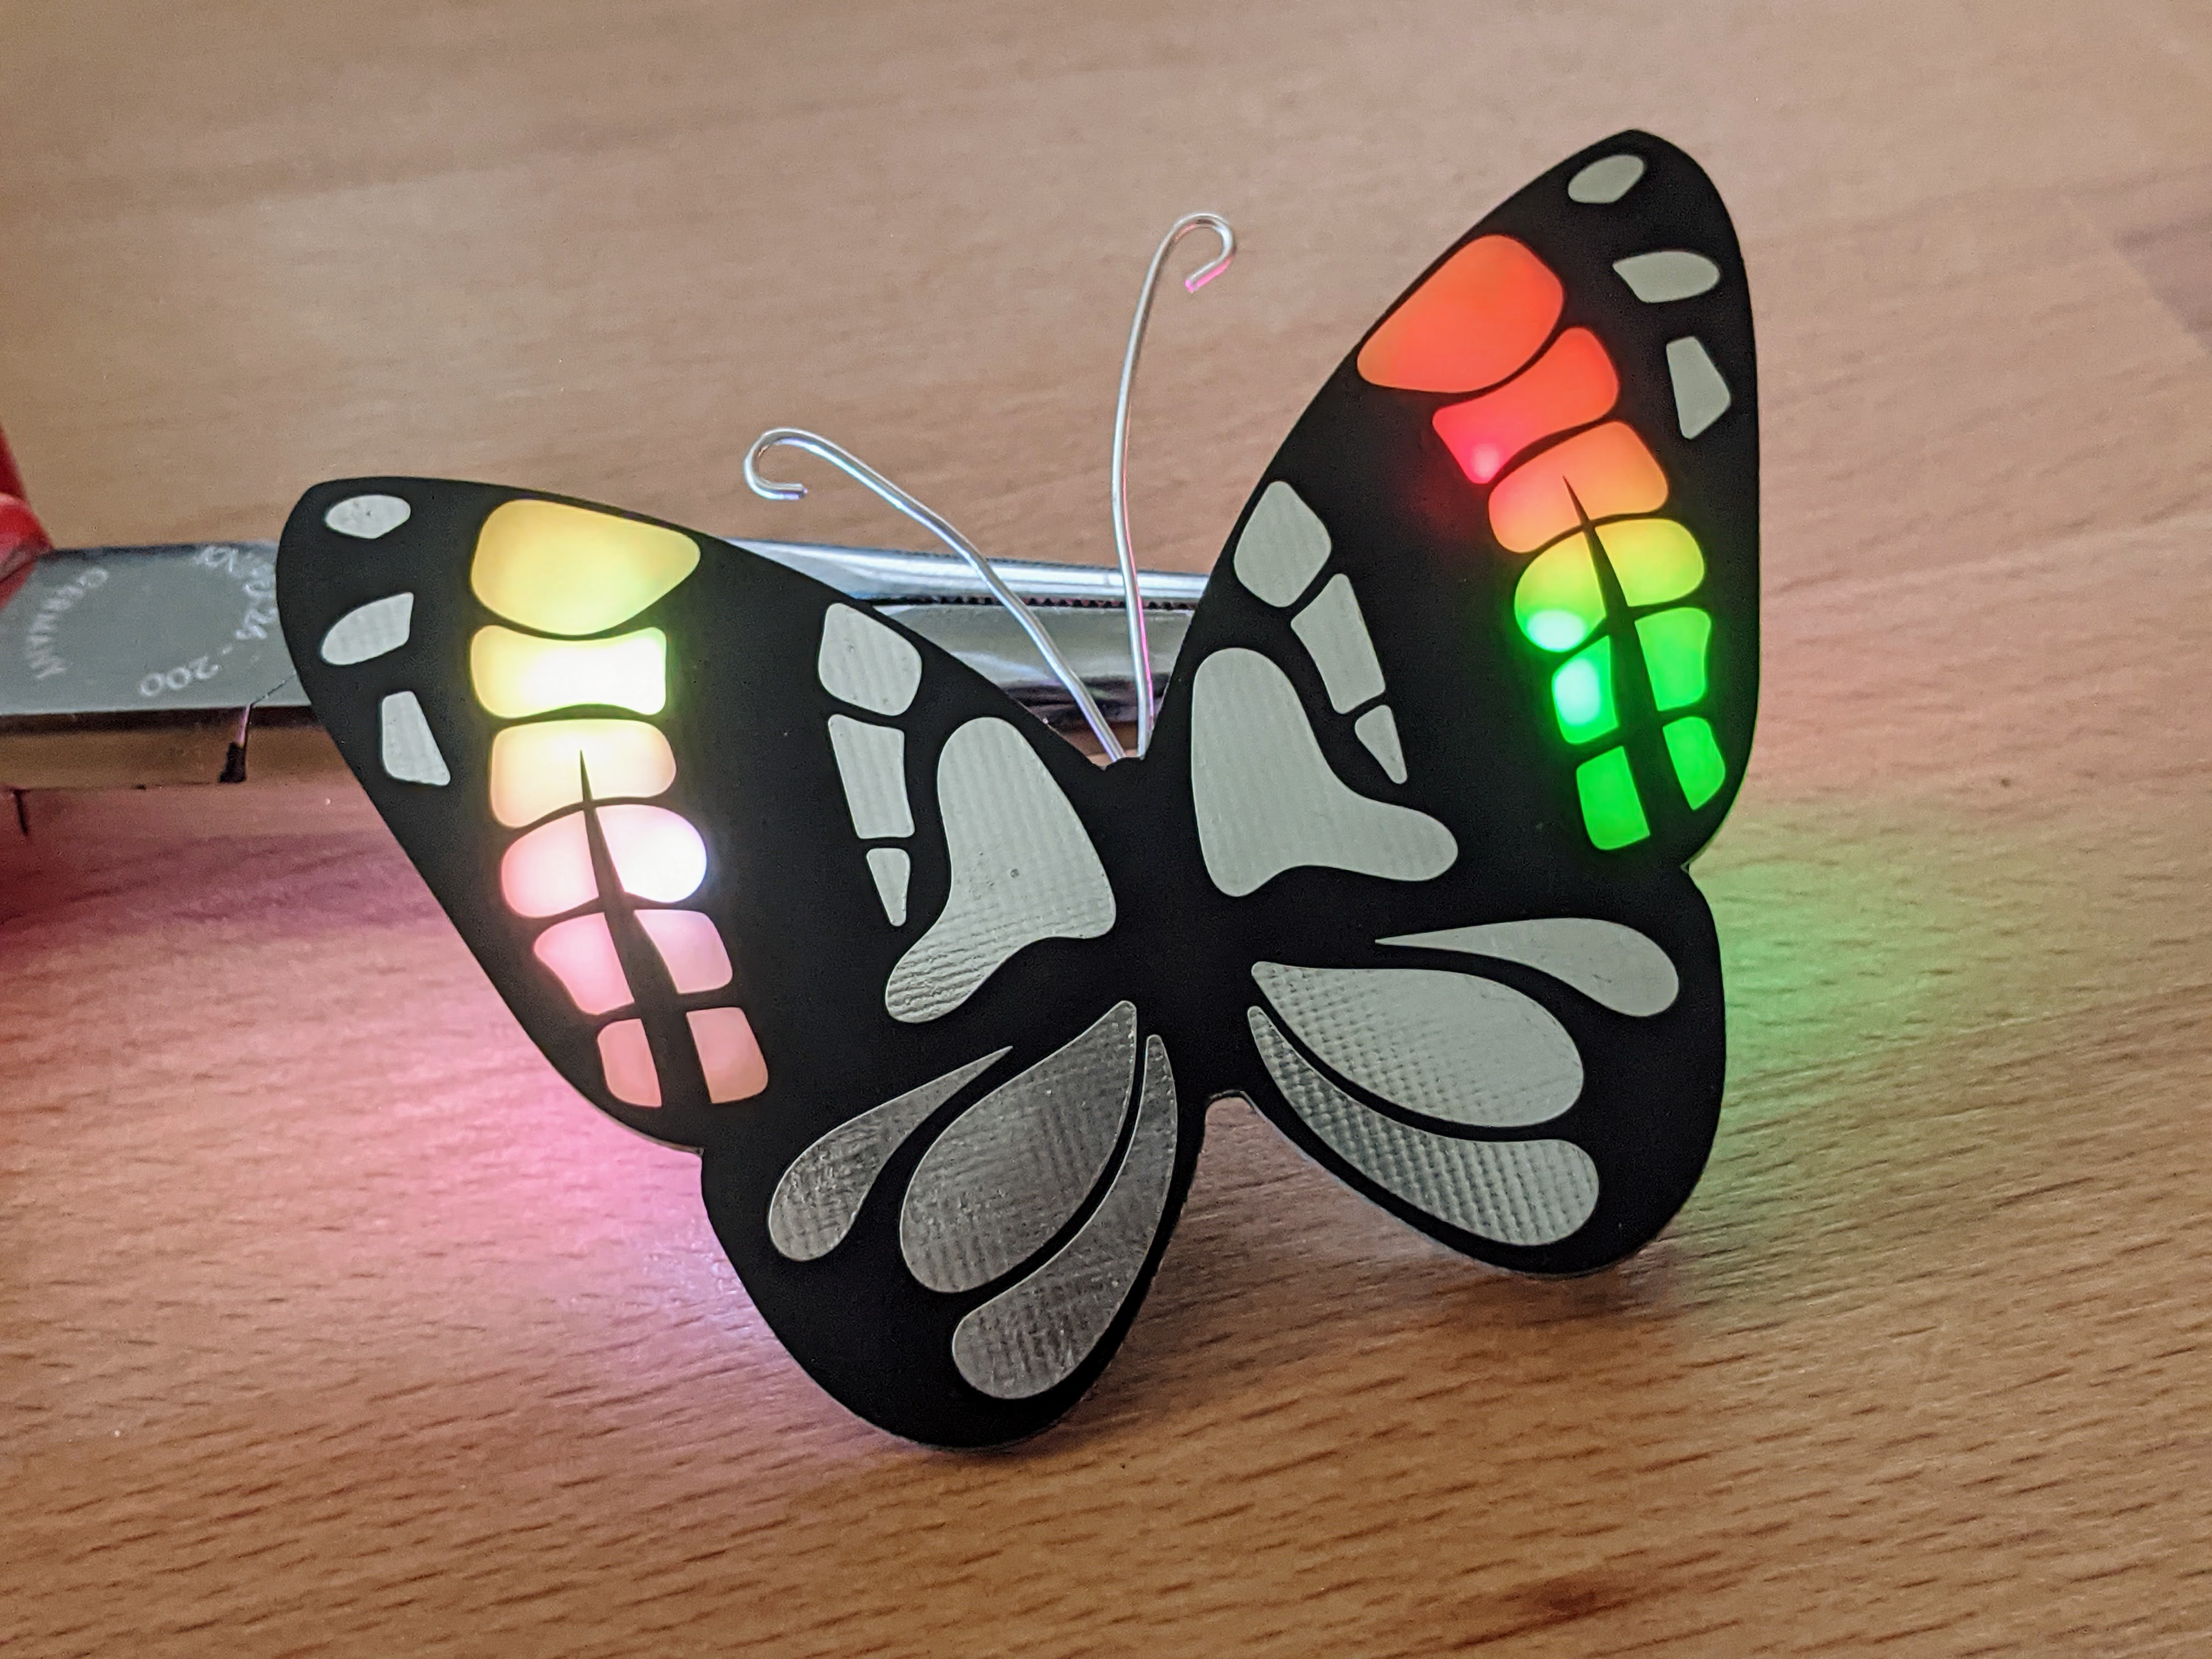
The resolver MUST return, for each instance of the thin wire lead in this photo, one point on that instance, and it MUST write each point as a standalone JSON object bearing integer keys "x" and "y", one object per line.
{"x": 1133, "y": 599}
{"x": 860, "y": 472}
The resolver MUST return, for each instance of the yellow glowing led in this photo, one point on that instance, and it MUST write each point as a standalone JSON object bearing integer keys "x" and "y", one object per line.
{"x": 565, "y": 569}
{"x": 1655, "y": 559}
{"x": 516, "y": 675}
{"x": 535, "y": 769}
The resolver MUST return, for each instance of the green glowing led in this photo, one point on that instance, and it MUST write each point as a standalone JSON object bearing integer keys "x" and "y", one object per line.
{"x": 1697, "y": 760}
{"x": 1674, "y": 654}
{"x": 1557, "y": 601}
{"x": 1654, "y": 559}
{"x": 1611, "y": 811}
{"x": 1582, "y": 693}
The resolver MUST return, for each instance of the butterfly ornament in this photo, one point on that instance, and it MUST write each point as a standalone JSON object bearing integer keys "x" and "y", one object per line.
{"x": 941, "y": 1001}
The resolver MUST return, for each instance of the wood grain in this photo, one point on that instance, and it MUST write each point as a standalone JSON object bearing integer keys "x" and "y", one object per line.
{"x": 330, "y": 1322}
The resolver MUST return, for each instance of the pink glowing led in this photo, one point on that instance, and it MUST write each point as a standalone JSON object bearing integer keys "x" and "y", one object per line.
{"x": 582, "y": 952}
{"x": 689, "y": 946}
{"x": 626, "y": 1058}
{"x": 728, "y": 1053}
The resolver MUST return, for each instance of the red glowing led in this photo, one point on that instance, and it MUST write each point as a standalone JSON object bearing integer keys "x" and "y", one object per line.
{"x": 1479, "y": 318}
{"x": 1572, "y": 385}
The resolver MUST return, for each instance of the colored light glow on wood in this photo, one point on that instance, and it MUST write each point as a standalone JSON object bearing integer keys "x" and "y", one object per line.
{"x": 1570, "y": 385}
{"x": 564, "y": 569}
{"x": 516, "y": 675}
{"x": 1654, "y": 559}
{"x": 1611, "y": 811}
{"x": 1698, "y": 760}
{"x": 581, "y": 952}
{"x": 1608, "y": 468}
{"x": 656, "y": 855}
{"x": 1481, "y": 316}
{"x": 534, "y": 768}
{"x": 689, "y": 948}
{"x": 1582, "y": 693}
{"x": 626, "y": 1057}
{"x": 729, "y": 1054}
{"x": 1674, "y": 644}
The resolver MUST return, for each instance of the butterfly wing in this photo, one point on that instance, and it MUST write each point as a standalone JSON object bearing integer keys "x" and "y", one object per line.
{"x": 1474, "y": 679}
{"x": 766, "y": 875}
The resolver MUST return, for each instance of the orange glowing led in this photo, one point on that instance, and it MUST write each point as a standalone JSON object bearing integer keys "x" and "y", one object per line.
{"x": 656, "y": 855}
{"x": 535, "y": 769}
{"x": 1608, "y": 469}
{"x": 729, "y": 1054}
{"x": 1481, "y": 316}
{"x": 1570, "y": 385}
{"x": 689, "y": 947}
{"x": 582, "y": 953}
{"x": 627, "y": 1059}
{"x": 564, "y": 569}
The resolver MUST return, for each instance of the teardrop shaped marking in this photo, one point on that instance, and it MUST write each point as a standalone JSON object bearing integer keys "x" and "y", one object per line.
{"x": 822, "y": 1190}
{"x": 1282, "y": 548}
{"x": 1009, "y": 1171}
{"x": 1033, "y": 1336}
{"x": 1446, "y": 1044}
{"x": 409, "y": 753}
{"x": 1668, "y": 274}
{"x": 1378, "y": 729}
{"x": 1517, "y": 1192}
{"x": 367, "y": 516}
{"x": 1605, "y": 961}
{"x": 1605, "y": 180}
{"x": 369, "y": 631}
{"x": 890, "y": 866}
{"x": 1701, "y": 396}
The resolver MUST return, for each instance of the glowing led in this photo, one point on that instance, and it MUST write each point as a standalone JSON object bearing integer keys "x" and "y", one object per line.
{"x": 1557, "y": 601}
{"x": 689, "y": 948}
{"x": 1608, "y": 469}
{"x": 1655, "y": 559}
{"x": 1582, "y": 693}
{"x": 1479, "y": 318}
{"x": 656, "y": 855}
{"x": 1674, "y": 644}
{"x": 564, "y": 569}
{"x": 729, "y": 1054}
{"x": 582, "y": 953}
{"x": 535, "y": 769}
{"x": 1571, "y": 384}
{"x": 1696, "y": 759}
{"x": 1611, "y": 811}
{"x": 516, "y": 676}
{"x": 627, "y": 1059}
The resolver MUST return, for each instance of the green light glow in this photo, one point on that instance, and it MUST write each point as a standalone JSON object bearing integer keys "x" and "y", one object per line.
{"x": 1582, "y": 693}
{"x": 1655, "y": 559}
{"x": 1611, "y": 811}
{"x": 1696, "y": 759}
{"x": 1557, "y": 602}
{"x": 1674, "y": 654}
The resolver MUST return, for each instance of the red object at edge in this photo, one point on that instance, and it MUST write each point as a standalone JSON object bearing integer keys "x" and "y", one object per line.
{"x": 23, "y": 537}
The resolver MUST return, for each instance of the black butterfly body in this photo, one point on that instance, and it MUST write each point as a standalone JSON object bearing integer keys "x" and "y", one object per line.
{"x": 944, "y": 1006}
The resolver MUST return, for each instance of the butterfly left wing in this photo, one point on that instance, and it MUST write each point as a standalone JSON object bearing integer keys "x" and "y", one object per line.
{"x": 1474, "y": 679}
{"x": 765, "y": 874}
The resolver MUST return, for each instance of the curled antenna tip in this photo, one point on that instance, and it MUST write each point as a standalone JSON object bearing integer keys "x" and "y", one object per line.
{"x": 775, "y": 490}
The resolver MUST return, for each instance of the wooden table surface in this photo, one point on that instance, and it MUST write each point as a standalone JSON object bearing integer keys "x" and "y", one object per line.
{"x": 331, "y": 1321}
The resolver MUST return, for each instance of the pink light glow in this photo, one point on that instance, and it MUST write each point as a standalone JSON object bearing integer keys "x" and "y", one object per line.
{"x": 581, "y": 952}
{"x": 728, "y": 1053}
{"x": 656, "y": 855}
{"x": 689, "y": 946}
{"x": 627, "y": 1060}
